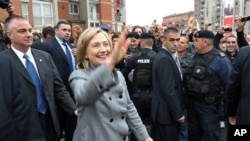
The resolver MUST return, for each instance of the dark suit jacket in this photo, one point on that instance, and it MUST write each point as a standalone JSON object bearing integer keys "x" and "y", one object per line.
{"x": 167, "y": 89}
{"x": 36, "y": 44}
{"x": 14, "y": 105}
{"x": 52, "y": 84}
{"x": 238, "y": 92}
{"x": 60, "y": 59}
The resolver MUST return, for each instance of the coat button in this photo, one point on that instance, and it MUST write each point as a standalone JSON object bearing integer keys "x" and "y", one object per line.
{"x": 122, "y": 117}
{"x": 120, "y": 96}
{"x": 111, "y": 120}
{"x": 110, "y": 98}
{"x": 101, "y": 87}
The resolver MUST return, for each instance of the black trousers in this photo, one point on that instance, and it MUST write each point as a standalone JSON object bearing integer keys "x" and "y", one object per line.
{"x": 142, "y": 100}
{"x": 67, "y": 124}
{"x": 162, "y": 132}
{"x": 48, "y": 126}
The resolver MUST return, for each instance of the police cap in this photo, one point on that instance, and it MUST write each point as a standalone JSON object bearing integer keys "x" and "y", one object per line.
{"x": 204, "y": 34}
{"x": 104, "y": 27}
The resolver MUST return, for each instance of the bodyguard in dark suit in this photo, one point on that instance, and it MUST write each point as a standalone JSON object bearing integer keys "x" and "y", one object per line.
{"x": 61, "y": 52}
{"x": 48, "y": 33}
{"x": 15, "y": 108}
{"x": 45, "y": 121}
{"x": 167, "y": 103}
{"x": 238, "y": 91}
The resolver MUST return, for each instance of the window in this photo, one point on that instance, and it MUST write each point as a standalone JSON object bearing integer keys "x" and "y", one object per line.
{"x": 97, "y": 24}
{"x": 25, "y": 10}
{"x": 74, "y": 8}
{"x": 42, "y": 12}
{"x": 94, "y": 24}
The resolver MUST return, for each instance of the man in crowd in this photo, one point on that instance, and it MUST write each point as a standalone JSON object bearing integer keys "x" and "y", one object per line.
{"x": 48, "y": 33}
{"x": 14, "y": 104}
{"x": 44, "y": 86}
{"x": 207, "y": 77}
{"x": 167, "y": 102}
{"x": 61, "y": 52}
{"x": 141, "y": 63}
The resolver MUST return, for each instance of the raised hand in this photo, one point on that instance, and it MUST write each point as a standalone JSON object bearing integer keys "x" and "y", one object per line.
{"x": 119, "y": 49}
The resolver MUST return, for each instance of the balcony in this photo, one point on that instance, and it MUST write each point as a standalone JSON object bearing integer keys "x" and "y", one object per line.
{"x": 94, "y": 16}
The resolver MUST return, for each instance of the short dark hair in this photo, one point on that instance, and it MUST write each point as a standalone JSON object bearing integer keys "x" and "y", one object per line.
{"x": 171, "y": 30}
{"x": 115, "y": 35}
{"x": 62, "y": 22}
{"x": 48, "y": 31}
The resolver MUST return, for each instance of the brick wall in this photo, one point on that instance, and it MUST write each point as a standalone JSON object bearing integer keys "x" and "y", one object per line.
{"x": 17, "y": 10}
{"x": 106, "y": 12}
{"x": 63, "y": 9}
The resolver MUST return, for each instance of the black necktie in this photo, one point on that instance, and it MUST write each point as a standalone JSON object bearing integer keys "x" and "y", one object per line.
{"x": 68, "y": 55}
{"x": 41, "y": 102}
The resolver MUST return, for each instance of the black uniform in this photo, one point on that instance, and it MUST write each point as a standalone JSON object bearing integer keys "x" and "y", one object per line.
{"x": 141, "y": 95}
{"x": 207, "y": 77}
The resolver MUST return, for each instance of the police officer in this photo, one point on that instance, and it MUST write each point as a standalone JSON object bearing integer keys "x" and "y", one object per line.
{"x": 206, "y": 80}
{"x": 141, "y": 65}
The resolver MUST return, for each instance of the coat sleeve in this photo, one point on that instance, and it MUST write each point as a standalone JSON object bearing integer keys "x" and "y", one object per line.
{"x": 133, "y": 119}
{"x": 88, "y": 87}
{"x": 60, "y": 91}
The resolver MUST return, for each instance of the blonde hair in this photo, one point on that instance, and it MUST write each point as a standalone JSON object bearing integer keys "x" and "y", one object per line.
{"x": 83, "y": 43}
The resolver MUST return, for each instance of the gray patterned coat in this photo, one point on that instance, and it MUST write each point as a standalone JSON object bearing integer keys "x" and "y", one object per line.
{"x": 106, "y": 110}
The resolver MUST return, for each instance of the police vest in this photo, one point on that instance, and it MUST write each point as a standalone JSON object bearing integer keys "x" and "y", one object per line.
{"x": 201, "y": 84}
{"x": 142, "y": 77}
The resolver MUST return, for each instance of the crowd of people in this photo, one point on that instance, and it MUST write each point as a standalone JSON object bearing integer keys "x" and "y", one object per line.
{"x": 163, "y": 84}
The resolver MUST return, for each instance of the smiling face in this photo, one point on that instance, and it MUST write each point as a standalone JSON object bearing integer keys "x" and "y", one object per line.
{"x": 98, "y": 49}
{"x": 231, "y": 44}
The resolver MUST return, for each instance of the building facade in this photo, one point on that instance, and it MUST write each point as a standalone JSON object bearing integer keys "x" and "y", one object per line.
{"x": 178, "y": 20}
{"x": 213, "y": 12}
{"x": 216, "y": 13}
{"x": 86, "y": 13}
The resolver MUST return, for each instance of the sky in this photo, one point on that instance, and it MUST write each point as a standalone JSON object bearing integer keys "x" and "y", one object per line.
{"x": 143, "y": 12}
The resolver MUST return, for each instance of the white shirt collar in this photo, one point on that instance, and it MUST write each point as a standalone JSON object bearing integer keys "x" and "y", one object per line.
{"x": 21, "y": 54}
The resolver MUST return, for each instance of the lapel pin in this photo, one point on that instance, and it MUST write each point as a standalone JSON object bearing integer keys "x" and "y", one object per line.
{"x": 40, "y": 60}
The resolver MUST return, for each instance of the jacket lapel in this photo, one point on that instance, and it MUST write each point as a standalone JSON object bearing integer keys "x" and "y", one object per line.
{"x": 39, "y": 59}
{"x": 60, "y": 50}
{"x": 19, "y": 65}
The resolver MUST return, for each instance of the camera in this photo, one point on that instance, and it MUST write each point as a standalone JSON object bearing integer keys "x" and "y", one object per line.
{"x": 4, "y": 3}
{"x": 244, "y": 19}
